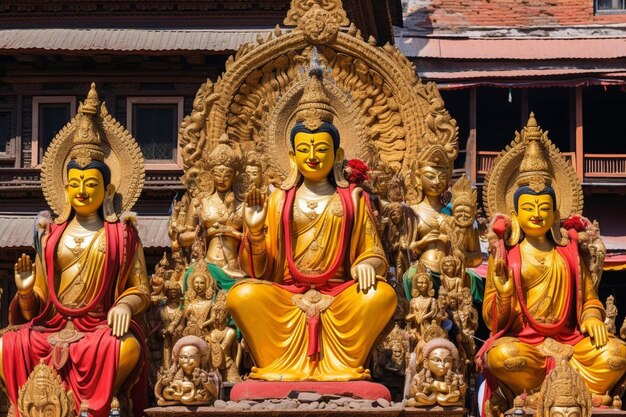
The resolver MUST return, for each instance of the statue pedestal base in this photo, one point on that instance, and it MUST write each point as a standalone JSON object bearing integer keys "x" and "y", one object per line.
{"x": 181, "y": 411}
{"x": 262, "y": 390}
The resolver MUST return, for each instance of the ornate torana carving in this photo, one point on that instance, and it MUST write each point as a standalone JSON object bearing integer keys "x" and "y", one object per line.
{"x": 43, "y": 394}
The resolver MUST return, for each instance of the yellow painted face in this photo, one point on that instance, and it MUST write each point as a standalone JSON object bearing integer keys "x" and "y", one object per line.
{"x": 314, "y": 154}
{"x": 85, "y": 190}
{"x": 535, "y": 214}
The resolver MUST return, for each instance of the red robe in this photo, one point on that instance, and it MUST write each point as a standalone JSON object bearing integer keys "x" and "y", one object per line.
{"x": 90, "y": 368}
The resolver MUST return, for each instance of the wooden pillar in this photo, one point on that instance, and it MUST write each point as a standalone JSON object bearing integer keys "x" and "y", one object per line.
{"x": 17, "y": 146}
{"x": 524, "y": 106}
{"x": 579, "y": 133}
{"x": 471, "y": 148}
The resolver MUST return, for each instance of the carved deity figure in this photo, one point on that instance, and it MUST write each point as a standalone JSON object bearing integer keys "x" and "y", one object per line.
{"x": 611, "y": 315}
{"x": 189, "y": 381}
{"x": 438, "y": 380}
{"x": 564, "y": 394}
{"x": 396, "y": 237}
{"x": 423, "y": 306}
{"x": 217, "y": 208}
{"x": 226, "y": 337}
{"x": 171, "y": 316}
{"x": 450, "y": 271}
{"x": 78, "y": 299}
{"x": 464, "y": 241}
{"x": 198, "y": 301}
{"x": 540, "y": 301}
{"x": 316, "y": 233}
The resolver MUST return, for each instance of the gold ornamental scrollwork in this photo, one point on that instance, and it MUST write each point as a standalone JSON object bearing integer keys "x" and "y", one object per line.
{"x": 332, "y": 8}
{"x": 43, "y": 394}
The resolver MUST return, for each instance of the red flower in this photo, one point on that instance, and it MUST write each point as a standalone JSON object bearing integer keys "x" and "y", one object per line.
{"x": 356, "y": 171}
{"x": 576, "y": 222}
{"x": 500, "y": 225}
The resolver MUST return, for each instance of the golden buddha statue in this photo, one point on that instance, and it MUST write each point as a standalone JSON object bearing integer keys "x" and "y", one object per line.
{"x": 77, "y": 301}
{"x": 320, "y": 300}
{"x": 540, "y": 300}
{"x": 423, "y": 305}
{"x": 198, "y": 301}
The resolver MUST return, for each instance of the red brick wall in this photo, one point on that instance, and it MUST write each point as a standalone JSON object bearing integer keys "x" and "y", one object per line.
{"x": 508, "y": 13}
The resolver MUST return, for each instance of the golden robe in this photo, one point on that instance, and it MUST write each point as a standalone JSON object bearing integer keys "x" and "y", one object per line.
{"x": 541, "y": 322}
{"x": 279, "y": 315}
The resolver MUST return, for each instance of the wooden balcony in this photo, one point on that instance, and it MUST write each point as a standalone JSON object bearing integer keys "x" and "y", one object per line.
{"x": 604, "y": 165}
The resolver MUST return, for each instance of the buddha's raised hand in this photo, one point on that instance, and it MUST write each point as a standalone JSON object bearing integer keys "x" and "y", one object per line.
{"x": 255, "y": 210}
{"x": 503, "y": 278}
{"x": 24, "y": 274}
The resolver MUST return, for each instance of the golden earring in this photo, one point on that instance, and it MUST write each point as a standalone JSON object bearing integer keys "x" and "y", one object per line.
{"x": 516, "y": 231}
{"x": 340, "y": 181}
{"x": 108, "y": 206}
{"x": 294, "y": 175}
{"x": 66, "y": 212}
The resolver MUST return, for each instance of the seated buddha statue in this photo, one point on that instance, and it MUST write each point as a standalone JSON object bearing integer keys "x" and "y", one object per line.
{"x": 75, "y": 304}
{"x": 318, "y": 299}
{"x": 540, "y": 302}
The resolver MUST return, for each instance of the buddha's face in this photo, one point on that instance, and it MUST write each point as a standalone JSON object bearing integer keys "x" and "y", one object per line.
{"x": 85, "y": 190}
{"x": 189, "y": 359}
{"x": 199, "y": 284}
{"x": 223, "y": 178}
{"x": 439, "y": 362}
{"x": 556, "y": 411}
{"x": 254, "y": 172}
{"x": 535, "y": 214}
{"x": 434, "y": 180}
{"x": 463, "y": 216}
{"x": 314, "y": 154}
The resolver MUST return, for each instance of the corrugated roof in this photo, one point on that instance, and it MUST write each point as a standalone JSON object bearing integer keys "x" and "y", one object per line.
{"x": 130, "y": 40}
{"x": 17, "y": 231}
{"x": 507, "y": 48}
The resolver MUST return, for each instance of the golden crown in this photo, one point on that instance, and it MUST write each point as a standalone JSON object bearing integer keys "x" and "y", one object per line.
{"x": 224, "y": 154}
{"x": 314, "y": 106}
{"x": 534, "y": 170}
{"x": 86, "y": 141}
{"x": 463, "y": 194}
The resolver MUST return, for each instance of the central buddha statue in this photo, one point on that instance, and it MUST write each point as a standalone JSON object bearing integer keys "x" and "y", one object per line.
{"x": 318, "y": 299}
{"x": 540, "y": 300}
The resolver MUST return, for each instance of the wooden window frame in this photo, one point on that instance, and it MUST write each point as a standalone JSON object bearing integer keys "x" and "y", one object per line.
{"x": 601, "y": 12}
{"x": 37, "y": 100}
{"x": 173, "y": 165}
{"x": 11, "y": 154}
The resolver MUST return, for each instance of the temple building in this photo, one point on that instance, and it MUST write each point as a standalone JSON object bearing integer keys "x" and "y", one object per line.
{"x": 494, "y": 62}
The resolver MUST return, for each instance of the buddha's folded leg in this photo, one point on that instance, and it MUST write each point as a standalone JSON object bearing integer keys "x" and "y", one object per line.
{"x": 350, "y": 327}
{"x": 600, "y": 368}
{"x": 518, "y": 365}
{"x": 275, "y": 329}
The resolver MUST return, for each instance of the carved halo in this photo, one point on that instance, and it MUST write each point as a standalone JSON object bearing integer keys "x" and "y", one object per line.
{"x": 121, "y": 154}
{"x": 500, "y": 181}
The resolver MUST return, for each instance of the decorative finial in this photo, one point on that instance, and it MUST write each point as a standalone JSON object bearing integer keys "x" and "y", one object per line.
{"x": 564, "y": 387}
{"x": 314, "y": 107}
{"x": 87, "y": 142}
{"x": 534, "y": 170}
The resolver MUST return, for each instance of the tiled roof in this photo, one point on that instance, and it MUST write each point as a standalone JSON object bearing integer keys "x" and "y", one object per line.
{"x": 128, "y": 40}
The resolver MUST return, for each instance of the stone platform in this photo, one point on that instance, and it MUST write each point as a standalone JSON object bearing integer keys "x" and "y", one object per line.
{"x": 394, "y": 411}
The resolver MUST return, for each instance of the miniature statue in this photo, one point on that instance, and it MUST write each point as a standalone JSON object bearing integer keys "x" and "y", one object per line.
{"x": 78, "y": 299}
{"x": 465, "y": 318}
{"x": 157, "y": 281}
{"x": 538, "y": 297}
{"x": 564, "y": 394}
{"x": 611, "y": 315}
{"x": 423, "y": 307}
{"x": 254, "y": 170}
{"x": 306, "y": 236}
{"x": 450, "y": 280}
{"x": 390, "y": 360}
{"x": 396, "y": 237}
{"x": 622, "y": 330}
{"x": 226, "y": 337}
{"x": 438, "y": 380}
{"x": 189, "y": 381}
{"x": 198, "y": 301}
{"x": 463, "y": 237}
{"x": 171, "y": 316}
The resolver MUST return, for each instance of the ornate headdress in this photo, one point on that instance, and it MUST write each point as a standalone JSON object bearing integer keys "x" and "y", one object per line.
{"x": 531, "y": 160}
{"x": 314, "y": 106}
{"x": 434, "y": 156}
{"x": 224, "y": 154}
{"x": 93, "y": 135}
{"x": 564, "y": 387}
{"x": 534, "y": 170}
{"x": 463, "y": 194}
{"x": 421, "y": 271}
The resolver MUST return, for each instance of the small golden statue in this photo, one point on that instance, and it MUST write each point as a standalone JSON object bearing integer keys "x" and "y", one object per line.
{"x": 189, "y": 381}
{"x": 423, "y": 306}
{"x": 540, "y": 299}
{"x": 171, "y": 316}
{"x": 198, "y": 301}
{"x": 611, "y": 315}
{"x": 464, "y": 240}
{"x": 226, "y": 338}
{"x": 78, "y": 299}
{"x": 450, "y": 271}
{"x": 438, "y": 380}
{"x": 564, "y": 394}
{"x": 43, "y": 394}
